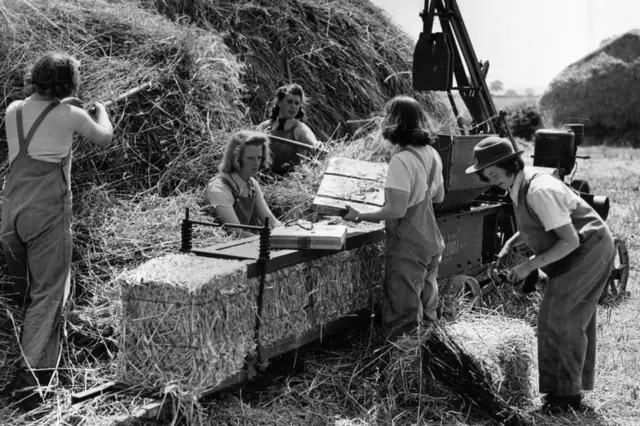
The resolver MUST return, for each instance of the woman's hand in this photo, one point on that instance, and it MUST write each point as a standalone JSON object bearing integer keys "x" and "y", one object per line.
{"x": 520, "y": 272}
{"x": 352, "y": 214}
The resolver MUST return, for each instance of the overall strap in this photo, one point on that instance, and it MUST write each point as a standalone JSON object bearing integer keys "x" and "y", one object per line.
{"x": 24, "y": 142}
{"x": 432, "y": 170}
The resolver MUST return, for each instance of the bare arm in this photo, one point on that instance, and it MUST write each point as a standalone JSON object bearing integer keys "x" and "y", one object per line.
{"x": 98, "y": 130}
{"x": 305, "y": 135}
{"x": 568, "y": 241}
{"x": 395, "y": 207}
{"x": 439, "y": 197}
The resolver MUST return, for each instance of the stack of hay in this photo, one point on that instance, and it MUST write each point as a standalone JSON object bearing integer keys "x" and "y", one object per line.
{"x": 188, "y": 322}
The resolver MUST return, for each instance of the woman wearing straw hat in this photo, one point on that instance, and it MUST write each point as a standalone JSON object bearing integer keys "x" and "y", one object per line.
{"x": 286, "y": 124}
{"x": 574, "y": 247}
{"x": 234, "y": 193}
{"x": 36, "y": 210}
{"x": 414, "y": 243}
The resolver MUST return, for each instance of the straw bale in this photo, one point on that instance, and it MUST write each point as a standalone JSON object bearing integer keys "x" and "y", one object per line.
{"x": 187, "y": 322}
{"x": 600, "y": 88}
{"x": 506, "y": 349}
{"x": 285, "y": 305}
{"x": 347, "y": 282}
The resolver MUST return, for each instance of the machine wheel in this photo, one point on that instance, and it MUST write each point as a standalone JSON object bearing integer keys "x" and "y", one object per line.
{"x": 581, "y": 186}
{"x": 617, "y": 283}
{"x": 459, "y": 293}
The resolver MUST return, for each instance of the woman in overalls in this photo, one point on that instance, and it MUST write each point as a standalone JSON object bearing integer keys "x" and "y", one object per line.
{"x": 36, "y": 210}
{"x": 414, "y": 243}
{"x": 286, "y": 124}
{"x": 574, "y": 247}
{"x": 234, "y": 193}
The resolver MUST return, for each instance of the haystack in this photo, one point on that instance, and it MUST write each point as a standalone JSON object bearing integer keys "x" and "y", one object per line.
{"x": 168, "y": 136}
{"x": 348, "y": 55}
{"x": 601, "y": 91}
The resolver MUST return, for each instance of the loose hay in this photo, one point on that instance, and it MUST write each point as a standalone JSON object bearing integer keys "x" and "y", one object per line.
{"x": 488, "y": 360}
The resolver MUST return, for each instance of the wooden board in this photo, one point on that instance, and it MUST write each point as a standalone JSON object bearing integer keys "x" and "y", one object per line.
{"x": 319, "y": 237}
{"x": 354, "y": 182}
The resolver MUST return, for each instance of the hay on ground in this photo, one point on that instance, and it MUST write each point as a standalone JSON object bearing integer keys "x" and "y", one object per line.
{"x": 487, "y": 362}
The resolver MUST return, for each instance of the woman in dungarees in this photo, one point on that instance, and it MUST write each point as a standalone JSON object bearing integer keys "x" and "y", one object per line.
{"x": 574, "y": 247}
{"x": 414, "y": 243}
{"x": 286, "y": 123}
{"x": 36, "y": 210}
{"x": 234, "y": 193}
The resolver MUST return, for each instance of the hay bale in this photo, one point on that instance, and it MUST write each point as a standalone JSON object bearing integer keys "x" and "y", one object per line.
{"x": 486, "y": 357}
{"x": 601, "y": 89}
{"x": 506, "y": 348}
{"x": 187, "y": 322}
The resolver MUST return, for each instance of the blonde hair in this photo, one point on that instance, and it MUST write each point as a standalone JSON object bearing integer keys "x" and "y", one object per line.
{"x": 235, "y": 148}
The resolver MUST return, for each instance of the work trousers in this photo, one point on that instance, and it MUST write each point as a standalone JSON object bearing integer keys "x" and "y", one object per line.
{"x": 410, "y": 294}
{"x": 37, "y": 249}
{"x": 567, "y": 324}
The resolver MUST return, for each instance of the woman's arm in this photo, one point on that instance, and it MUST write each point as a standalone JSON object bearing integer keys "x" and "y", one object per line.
{"x": 304, "y": 134}
{"x": 395, "y": 207}
{"x": 263, "y": 211}
{"x": 98, "y": 131}
{"x": 568, "y": 241}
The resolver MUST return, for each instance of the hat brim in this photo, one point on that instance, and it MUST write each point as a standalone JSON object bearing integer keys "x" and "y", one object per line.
{"x": 474, "y": 168}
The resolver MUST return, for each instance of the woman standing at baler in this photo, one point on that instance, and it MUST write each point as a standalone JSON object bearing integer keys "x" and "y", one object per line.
{"x": 414, "y": 243}
{"x": 36, "y": 210}
{"x": 574, "y": 247}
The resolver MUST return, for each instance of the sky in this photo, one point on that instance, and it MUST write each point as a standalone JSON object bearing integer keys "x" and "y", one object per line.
{"x": 529, "y": 42}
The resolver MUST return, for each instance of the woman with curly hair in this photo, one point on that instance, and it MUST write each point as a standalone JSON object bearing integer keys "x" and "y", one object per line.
{"x": 36, "y": 210}
{"x": 234, "y": 193}
{"x": 286, "y": 124}
{"x": 414, "y": 243}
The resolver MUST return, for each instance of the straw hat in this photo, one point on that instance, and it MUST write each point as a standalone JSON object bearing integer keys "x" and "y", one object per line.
{"x": 492, "y": 150}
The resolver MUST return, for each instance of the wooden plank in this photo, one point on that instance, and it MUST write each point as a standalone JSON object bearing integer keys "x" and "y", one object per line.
{"x": 357, "y": 169}
{"x": 352, "y": 189}
{"x": 333, "y": 207}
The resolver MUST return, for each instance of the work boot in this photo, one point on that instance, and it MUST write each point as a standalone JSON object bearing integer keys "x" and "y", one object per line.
{"x": 29, "y": 387}
{"x": 558, "y": 404}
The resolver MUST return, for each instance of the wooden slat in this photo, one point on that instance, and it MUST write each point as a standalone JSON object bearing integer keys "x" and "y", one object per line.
{"x": 357, "y": 169}
{"x": 352, "y": 189}
{"x": 333, "y": 207}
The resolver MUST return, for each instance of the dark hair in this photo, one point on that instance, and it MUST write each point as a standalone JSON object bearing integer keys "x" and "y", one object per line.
{"x": 406, "y": 123}
{"x": 511, "y": 168}
{"x": 288, "y": 89}
{"x": 55, "y": 74}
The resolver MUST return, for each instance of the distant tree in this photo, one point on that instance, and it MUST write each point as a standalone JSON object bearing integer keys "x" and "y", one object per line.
{"x": 529, "y": 92}
{"x": 511, "y": 93}
{"x": 496, "y": 86}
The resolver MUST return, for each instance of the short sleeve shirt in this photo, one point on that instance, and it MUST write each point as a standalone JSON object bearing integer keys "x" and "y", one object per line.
{"x": 549, "y": 198}
{"x": 218, "y": 192}
{"x": 406, "y": 173}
